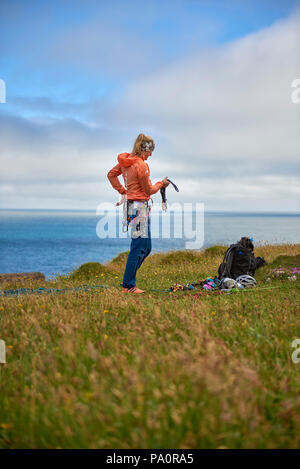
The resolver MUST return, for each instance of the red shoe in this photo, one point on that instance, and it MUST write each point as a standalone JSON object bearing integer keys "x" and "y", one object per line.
{"x": 132, "y": 290}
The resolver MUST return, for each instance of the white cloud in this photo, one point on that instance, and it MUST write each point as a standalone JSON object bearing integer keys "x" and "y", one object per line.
{"x": 229, "y": 102}
{"x": 225, "y": 127}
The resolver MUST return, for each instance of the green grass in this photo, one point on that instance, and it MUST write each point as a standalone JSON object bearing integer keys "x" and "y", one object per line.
{"x": 100, "y": 369}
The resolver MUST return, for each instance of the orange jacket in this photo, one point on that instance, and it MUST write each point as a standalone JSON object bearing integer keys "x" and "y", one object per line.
{"x": 137, "y": 173}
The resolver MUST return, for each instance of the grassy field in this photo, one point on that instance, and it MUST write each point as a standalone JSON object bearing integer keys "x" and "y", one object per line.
{"x": 100, "y": 369}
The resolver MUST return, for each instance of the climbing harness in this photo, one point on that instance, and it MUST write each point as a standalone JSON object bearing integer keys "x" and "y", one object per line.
{"x": 135, "y": 214}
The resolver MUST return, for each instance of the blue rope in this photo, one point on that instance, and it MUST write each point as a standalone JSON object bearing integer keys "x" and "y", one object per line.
{"x": 41, "y": 290}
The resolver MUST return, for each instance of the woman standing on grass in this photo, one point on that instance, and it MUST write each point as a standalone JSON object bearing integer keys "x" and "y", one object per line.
{"x": 136, "y": 174}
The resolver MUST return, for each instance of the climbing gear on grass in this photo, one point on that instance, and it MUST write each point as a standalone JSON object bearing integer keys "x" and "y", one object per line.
{"x": 207, "y": 284}
{"x": 178, "y": 286}
{"x": 211, "y": 284}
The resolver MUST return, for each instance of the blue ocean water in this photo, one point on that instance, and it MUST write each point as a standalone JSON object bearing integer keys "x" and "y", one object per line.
{"x": 58, "y": 241}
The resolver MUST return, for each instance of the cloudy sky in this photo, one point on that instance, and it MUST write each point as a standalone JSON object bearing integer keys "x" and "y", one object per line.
{"x": 210, "y": 81}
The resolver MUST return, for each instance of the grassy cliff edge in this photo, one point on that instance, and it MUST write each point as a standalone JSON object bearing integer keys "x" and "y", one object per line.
{"x": 100, "y": 369}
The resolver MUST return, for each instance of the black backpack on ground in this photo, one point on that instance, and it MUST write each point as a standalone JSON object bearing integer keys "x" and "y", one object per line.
{"x": 240, "y": 260}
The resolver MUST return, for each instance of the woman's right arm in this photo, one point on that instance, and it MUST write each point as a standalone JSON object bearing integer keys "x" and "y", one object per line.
{"x": 114, "y": 180}
{"x": 148, "y": 187}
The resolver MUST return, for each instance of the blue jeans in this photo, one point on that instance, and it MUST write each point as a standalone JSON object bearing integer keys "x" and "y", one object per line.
{"x": 140, "y": 248}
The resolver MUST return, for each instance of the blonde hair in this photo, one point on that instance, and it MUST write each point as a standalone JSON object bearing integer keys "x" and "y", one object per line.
{"x": 137, "y": 150}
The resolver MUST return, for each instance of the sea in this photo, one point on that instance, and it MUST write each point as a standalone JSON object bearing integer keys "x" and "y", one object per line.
{"x": 56, "y": 242}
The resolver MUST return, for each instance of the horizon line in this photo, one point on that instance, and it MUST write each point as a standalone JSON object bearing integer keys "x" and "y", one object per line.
{"x": 95, "y": 209}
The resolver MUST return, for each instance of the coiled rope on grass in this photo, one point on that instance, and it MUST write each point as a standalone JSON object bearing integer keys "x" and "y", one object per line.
{"x": 41, "y": 290}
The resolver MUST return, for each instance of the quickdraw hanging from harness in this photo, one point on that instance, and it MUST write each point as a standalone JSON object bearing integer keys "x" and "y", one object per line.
{"x": 164, "y": 197}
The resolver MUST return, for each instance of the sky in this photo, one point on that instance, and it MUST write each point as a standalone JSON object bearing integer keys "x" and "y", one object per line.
{"x": 210, "y": 81}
